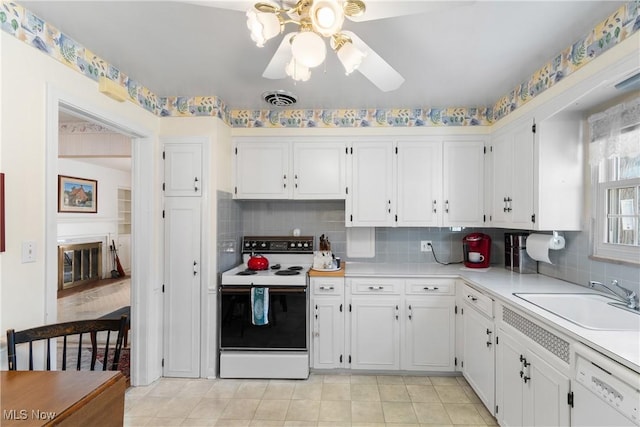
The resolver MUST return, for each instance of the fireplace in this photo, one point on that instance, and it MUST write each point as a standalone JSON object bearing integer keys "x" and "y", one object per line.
{"x": 79, "y": 263}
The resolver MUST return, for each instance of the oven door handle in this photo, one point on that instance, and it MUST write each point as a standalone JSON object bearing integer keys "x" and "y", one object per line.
{"x": 230, "y": 289}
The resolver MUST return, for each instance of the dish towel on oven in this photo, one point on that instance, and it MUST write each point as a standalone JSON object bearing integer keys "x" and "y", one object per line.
{"x": 260, "y": 306}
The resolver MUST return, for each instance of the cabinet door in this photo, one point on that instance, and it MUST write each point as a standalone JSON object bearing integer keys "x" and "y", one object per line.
{"x": 262, "y": 170}
{"x": 370, "y": 192}
{"x": 182, "y": 169}
{"x": 419, "y": 184}
{"x": 521, "y": 195}
{"x": 513, "y": 178}
{"x": 501, "y": 150}
{"x": 328, "y": 332}
{"x": 478, "y": 359}
{"x": 182, "y": 227}
{"x": 463, "y": 183}
{"x": 509, "y": 382}
{"x": 319, "y": 170}
{"x": 375, "y": 333}
{"x": 545, "y": 395}
{"x": 429, "y": 334}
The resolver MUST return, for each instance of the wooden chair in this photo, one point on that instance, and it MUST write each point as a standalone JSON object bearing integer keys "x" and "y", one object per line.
{"x": 65, "y": 330}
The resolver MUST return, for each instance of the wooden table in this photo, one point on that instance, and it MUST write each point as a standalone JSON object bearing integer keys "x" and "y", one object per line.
{"x": 65, "y": 398}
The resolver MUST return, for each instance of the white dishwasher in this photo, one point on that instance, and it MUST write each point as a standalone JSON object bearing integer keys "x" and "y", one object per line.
{"x": 605, "y": 393}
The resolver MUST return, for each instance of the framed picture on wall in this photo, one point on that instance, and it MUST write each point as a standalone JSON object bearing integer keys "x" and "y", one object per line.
{"x": 77, "y": 194}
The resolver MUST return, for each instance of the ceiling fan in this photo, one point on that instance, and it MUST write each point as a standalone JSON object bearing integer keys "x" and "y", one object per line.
{"x": 316, "y": 20}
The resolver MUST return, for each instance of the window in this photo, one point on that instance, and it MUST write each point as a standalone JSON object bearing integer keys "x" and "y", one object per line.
{"x": 615, "y": 161}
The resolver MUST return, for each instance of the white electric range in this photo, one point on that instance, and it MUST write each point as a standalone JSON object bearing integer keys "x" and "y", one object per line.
{"x": 263, "y": 315}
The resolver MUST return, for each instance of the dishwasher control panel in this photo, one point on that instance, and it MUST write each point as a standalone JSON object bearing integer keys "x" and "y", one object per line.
{"x": 611, "y": 382}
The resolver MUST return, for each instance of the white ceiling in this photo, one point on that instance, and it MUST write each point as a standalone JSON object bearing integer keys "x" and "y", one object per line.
{"x": 465, "y": 54}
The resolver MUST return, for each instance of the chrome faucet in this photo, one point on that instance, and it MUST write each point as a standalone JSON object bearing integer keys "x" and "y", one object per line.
{"x": 629, "y": 297}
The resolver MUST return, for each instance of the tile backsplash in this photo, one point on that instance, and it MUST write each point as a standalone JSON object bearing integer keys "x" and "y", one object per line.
{"x": 399, "y": 245}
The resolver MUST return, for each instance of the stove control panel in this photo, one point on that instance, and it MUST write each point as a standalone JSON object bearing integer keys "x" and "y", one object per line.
{"x": 277, "y": 245}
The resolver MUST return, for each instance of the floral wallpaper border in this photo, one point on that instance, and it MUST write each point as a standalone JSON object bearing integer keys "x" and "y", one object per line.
{"x": 27, "y": 27}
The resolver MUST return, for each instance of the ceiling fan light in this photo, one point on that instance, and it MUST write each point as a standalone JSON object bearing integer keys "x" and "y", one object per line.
{"x": 350, "y": 56}
{"x": 263, "y": 26}
{"x": 326, "y": 17}
{"x": 308, "y": 49}
{"x": 297, "y": 71}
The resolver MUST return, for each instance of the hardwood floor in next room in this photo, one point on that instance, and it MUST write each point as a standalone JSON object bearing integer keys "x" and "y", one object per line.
{"x": 94, "y": 302}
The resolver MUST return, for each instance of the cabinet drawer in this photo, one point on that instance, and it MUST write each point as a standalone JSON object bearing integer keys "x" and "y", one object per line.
{"x": 376, "y": 286}
{"x": 476, "y": 299}
{"x": 430, "y": 286}
{"x": 327, "y": 285}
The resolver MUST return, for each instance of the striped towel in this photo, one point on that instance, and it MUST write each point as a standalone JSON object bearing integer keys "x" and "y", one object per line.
{"x": 260, "y": 306}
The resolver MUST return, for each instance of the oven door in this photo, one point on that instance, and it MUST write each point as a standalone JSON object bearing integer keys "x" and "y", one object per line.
{"x": 286, "y": 328}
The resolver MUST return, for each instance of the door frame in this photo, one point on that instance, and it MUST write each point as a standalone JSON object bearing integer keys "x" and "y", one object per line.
{"x": 145, "y": 297}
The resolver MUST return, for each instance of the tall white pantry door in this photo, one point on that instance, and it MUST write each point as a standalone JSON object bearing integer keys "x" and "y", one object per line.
{"x": 182, "y": 231}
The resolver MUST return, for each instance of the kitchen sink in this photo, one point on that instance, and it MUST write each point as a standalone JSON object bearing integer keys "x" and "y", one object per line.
{"x": 590, "y": 311}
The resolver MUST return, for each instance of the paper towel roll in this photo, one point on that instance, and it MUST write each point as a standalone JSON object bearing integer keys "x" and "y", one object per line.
{"x": 538, "y": 246}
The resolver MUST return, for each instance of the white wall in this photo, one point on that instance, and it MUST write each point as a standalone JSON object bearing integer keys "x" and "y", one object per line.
{"x": 27, "y": 81}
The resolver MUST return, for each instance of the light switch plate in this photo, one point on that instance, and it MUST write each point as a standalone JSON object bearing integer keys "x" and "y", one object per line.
{"x": 28, "y": 251}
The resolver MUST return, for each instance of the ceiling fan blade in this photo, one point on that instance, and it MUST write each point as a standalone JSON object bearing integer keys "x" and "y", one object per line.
{"x": 375, "y": 68}
{"x": 389, "y": 9}
{"x": 278, "y": 63}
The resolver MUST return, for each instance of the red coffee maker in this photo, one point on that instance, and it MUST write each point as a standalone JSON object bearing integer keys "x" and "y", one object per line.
{"x": 476, "y": 248}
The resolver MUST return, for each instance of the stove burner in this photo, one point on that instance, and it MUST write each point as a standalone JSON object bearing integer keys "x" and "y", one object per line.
{"x": 295, "y": 268}
{"x": 287, "y": 272}
{"x": 246, "y": 273}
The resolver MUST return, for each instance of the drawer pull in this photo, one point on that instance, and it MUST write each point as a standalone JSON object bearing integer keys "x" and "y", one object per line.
{"x": 376, "y": 288}
{"x": 430, "y": 288}
{"x": 472, "y": 298}
{"x": 326, "y": 288}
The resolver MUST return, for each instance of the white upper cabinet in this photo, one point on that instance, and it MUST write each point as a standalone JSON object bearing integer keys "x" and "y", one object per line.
{"x": 416, "y": 183}
{"x": 512, "y": 203}
{"x": 558, "y": 177}
{"x": 182, "y": 168}
{"x": 463, "y": 183}
{"x": 319, "y": 170}
{"x": 537, "y": 174}
{"x": 262, "y": 170}
{"x": 270, "y": 169}
{"x": 370, "y": 199}
{"x": 419, "y": 183}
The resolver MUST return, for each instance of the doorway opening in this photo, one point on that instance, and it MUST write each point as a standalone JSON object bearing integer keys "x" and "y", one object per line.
{"x": 141, "y": 297}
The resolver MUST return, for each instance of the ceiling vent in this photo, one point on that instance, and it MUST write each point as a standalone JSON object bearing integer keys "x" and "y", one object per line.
{"x": 279, "y": 98}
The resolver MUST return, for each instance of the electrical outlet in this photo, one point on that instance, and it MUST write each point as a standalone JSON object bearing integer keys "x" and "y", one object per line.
{"x": 425, "y": 246}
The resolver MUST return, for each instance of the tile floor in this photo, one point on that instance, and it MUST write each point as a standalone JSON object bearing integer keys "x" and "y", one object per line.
{"x": 322, "y": 400}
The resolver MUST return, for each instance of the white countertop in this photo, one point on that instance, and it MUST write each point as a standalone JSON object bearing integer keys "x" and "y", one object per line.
{"x": 622, "y": 346}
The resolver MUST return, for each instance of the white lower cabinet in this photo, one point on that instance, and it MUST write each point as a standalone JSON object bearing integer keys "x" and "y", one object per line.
{"x": 375, "y": 332}
{"x": 478, "y": 358}
{"x": 428, "y": 328}
{"x": 327, "y": 322}
{"x": 529, "y": 390}
{"x": 402, "y": 324}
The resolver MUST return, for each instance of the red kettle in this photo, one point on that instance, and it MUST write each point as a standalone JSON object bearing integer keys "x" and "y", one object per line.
{"x": 257, "y": 262}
